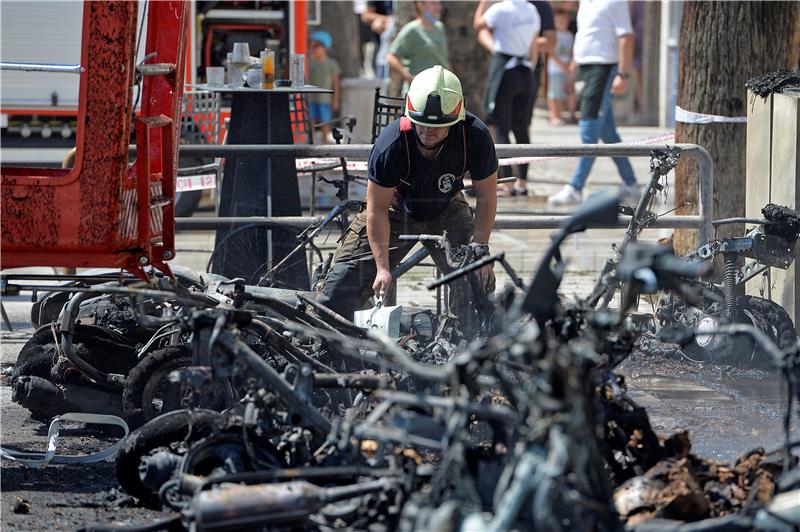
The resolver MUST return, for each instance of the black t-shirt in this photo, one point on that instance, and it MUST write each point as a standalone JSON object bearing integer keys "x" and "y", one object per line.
{"x": 425, "y": 186}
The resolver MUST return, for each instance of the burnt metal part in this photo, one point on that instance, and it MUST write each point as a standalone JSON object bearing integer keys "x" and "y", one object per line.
{"x": 773, "y": 82}
{"x": 271, "y": 504}
{"x": 160, "y": 434}
{"x": 781, "y": 221}
{"x": 526, "y": 428}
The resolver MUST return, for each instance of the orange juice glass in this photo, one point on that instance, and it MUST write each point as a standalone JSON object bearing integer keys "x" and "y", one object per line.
{"x": 268, "y": 67}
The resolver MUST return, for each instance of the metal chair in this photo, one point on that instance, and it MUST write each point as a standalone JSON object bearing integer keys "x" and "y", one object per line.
{"x": 200, "y": 124}
{"x": 303, "y": 133}
{"x": 385, "y": 110}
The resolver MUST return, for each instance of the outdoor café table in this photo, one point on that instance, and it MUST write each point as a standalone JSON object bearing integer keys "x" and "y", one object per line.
{"x": 260, "y": 186}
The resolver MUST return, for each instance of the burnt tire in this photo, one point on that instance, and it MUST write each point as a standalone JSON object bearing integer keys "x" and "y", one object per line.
{"x": 771, "y": 318}
{"x": 163, "y": 431}
{"x": 36, "y": 356}
{"x": 107, "y": 350}
{"x": 149, "y": 392}
{"x": 741, "y": 350}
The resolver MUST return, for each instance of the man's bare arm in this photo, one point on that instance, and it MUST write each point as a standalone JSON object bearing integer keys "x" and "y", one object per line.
{"x": 534, "y": 51}
{"x": 396, "y": 65}
{"x": 485, "y": 207}
{"x": 378, "y": 200}
{"x": 547, "y": 41}
{"x": 626, "y": 44}
{"x": 375, "y": 20}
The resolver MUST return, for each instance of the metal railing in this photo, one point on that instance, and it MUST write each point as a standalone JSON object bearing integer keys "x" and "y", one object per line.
{"x": 41, "y": 67}
{"x": 701, "y": 221}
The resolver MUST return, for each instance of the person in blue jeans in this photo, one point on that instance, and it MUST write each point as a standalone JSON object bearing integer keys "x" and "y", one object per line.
{"x": 604, "y": 52}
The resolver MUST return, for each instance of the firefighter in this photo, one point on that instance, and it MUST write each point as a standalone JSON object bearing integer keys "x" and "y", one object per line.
{"x": 416, "y": 170}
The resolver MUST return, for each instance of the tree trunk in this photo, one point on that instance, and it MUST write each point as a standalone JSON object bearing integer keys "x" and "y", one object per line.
{"x": 722, "y": 45}
{"x": 469, "y": 61}
{"x": 340, "y": 21}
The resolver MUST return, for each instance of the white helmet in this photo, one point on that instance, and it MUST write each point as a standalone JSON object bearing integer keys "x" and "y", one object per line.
{"x": 435, "y": 98}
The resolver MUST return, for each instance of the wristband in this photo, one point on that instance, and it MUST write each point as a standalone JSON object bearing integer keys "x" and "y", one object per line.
{"x": 623, "y": 75}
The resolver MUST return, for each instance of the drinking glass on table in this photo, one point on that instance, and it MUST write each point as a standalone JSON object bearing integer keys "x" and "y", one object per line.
{"x": 297, "y": 70}
{"x": 268, "y": 67}
{"x": 241, "y": 55}
{"x": 234, "y": 74}
{"x": 215, "y": 76}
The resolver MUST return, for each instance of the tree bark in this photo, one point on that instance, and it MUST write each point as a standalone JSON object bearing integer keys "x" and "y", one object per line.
{"x": 722, "y": 45}
{"x": 469, "y": 61}
{"x": 340, "y": 21}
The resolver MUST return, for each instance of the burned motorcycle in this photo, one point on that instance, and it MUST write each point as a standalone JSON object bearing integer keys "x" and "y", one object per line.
{"x": 771, "y": 243}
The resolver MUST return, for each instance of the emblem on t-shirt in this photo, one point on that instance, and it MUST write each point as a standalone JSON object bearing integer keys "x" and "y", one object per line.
{"x": 446, "y": 182}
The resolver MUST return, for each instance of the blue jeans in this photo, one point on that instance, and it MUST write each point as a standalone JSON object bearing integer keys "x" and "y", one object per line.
{"x": 602, "y": 126}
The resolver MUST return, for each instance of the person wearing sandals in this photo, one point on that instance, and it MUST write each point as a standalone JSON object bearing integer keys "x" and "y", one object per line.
{"x": 416, "y": 170}
{"x": 508, "y": 29}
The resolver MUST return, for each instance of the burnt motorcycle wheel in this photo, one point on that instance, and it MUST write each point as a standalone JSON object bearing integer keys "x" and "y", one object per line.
{"x": 742, "y": 350}
{"x": 168, "y": 432}
{"x": 151, "y": 390}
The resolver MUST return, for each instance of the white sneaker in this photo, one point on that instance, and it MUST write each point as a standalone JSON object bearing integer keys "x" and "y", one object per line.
{"x": 630, "y": 194}
{"x": 566, "y": 196}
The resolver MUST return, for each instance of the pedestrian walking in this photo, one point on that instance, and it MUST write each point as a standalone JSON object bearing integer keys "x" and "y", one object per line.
{"x": 603, "y": 51}
{"x": 513, "y": 26}
{"x": 420, "y": 44}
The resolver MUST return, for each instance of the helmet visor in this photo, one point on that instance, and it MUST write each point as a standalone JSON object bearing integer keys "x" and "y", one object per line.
{"x": 433, "y": 115}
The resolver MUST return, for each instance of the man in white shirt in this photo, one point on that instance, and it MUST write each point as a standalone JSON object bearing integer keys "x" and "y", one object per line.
{"x": 604, "y": 52}
{"x": 513, "y": 26}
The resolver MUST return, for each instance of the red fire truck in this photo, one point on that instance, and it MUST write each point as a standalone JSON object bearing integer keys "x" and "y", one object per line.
{"x": 105, "y": 210}
{"x": 40, "y": 108}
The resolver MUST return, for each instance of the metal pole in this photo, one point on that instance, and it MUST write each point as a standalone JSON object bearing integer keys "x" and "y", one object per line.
{"x": 503, "y": 221}
{"x": 361, "y": 151}
{"x": 41, "y": 67}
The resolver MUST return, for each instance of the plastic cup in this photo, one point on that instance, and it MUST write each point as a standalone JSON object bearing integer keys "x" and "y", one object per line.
{"x": 297, "y": 70}
{"x": 215, "y": 76}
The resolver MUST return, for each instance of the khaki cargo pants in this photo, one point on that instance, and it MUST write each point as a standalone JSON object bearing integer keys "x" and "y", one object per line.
{"x": 348, "y": 285}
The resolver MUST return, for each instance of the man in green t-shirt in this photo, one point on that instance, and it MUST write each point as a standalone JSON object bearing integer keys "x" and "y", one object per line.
{"x": 323, "y": 71}
{"x": 421, "y": 44}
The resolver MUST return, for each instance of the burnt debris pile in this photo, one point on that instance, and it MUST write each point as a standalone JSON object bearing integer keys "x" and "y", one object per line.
{"x": 259, "y": 408}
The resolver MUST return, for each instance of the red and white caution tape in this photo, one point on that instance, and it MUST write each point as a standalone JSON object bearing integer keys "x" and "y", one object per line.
{"x": 195, "y": 182}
